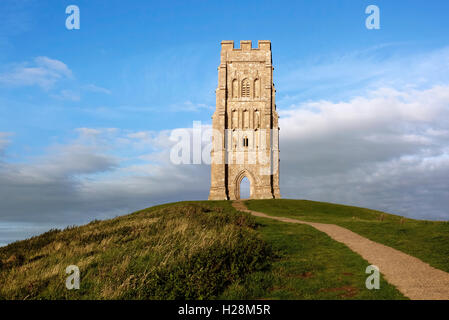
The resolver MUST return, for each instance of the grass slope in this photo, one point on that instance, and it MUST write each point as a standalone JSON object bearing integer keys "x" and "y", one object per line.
{"x": 308, "y": 265}
{"x": 187, "y": 250}
{"x": 178, "y": 251}
{"x": 426, "y": 240}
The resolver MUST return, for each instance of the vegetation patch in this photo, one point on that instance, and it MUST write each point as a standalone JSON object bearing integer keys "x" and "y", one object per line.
{"x": 180, "y": 251}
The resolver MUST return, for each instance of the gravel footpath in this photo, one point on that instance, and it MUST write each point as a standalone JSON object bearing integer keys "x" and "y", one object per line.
{"x": 416, "y": 279}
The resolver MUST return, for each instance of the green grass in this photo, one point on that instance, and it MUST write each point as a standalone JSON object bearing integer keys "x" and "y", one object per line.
{"x": 177, "y": 251}
{"x": 309, "y": 265}
{"x": 426, "y": 240}
{"x": 187, "y": 250}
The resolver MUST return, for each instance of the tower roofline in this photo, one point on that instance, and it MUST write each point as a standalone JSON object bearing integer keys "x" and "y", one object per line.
{"x": 245, "y": 45}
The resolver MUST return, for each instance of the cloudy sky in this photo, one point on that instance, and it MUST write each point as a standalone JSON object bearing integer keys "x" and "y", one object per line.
{"x": 86, "y": 115}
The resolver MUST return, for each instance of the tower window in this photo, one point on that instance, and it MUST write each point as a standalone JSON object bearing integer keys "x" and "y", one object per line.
{"x": 245, "y": 142}
{"x": 245, "y": 88}
{"x": 235, "y": 88}
{"x": 256, "y": 88}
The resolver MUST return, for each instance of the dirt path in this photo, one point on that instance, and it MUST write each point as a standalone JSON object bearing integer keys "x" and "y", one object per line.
{"x": 414, "y": 278}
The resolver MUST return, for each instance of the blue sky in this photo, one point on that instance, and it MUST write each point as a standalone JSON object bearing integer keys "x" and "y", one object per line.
{"x": 109, "y": 93}
{"x": 152, "y": 55}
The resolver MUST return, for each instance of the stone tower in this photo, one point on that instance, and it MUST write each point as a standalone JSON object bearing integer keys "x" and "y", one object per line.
{"x": 245, "y": 124}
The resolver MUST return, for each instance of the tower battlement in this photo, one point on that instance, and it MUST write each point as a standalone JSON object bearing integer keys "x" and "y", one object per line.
{"x": 245, "y": 45}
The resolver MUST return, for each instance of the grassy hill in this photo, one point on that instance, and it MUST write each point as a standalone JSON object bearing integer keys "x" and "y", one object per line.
{"x": 208, "y": 250}
{"x": 185, "y": 250}
{"x": 426, "y": 240}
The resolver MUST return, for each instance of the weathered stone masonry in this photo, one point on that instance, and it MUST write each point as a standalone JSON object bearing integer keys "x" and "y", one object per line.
{"x": 246, "y": 118}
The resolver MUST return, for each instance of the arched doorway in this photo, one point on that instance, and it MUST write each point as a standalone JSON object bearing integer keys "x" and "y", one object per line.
{"x": 245, "y": 188}
{"x": 244, "y": 185}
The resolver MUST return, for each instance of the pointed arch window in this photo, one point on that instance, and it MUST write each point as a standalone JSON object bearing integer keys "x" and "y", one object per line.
{"x": 245, "y": 142}
{"x": 234, "y": 119}
{"x": 246, "y": 88}
{"x": 235, "y": 88}
{"x": 256, "y": 139}
{"x": 245, "y": 119}
{"x": 256, "y": 119}
{"x": 257, "y": 88}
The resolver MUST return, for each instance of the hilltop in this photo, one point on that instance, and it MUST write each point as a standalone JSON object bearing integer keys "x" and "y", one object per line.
{"x": 209, "y": 250}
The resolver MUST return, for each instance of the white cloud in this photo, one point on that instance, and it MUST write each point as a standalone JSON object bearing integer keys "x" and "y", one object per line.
{"x": 46, "y": 73}
{"x": 341, "y": 76}
{"x": 103, "y": 172}
{"x": 96, "y": 89}
{"x": 188, "y": 106}
{"x": 53, "y": 65}
{"x": 388, "y": 150}
{"x": 66, "y": 94}
{"x": 43, "y": 72}
{"x": 4, "y": 140}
